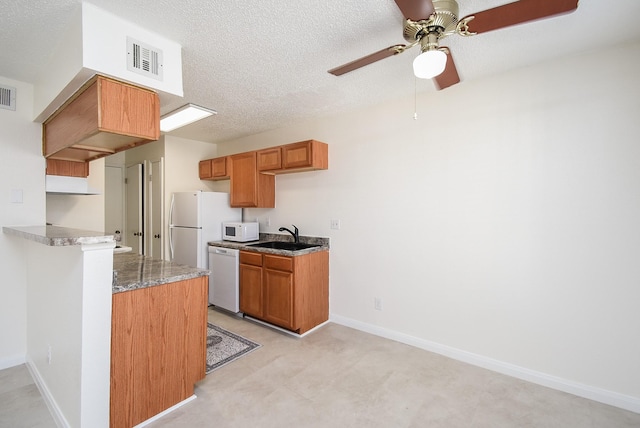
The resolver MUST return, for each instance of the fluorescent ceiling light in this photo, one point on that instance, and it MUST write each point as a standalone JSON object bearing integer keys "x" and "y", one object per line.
{"x": 183, "y": 116}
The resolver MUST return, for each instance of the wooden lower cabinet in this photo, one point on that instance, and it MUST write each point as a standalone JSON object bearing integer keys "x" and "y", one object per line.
{"x": 278, "y": 298}
{"x": 290, "y": 292}
{"x": 158, "y": 348}
{"x": 251, "y": 295}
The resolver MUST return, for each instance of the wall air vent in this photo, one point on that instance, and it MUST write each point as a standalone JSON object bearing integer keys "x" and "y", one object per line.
{"x": 7, "y": 97}
{"x": 144, "y": 59}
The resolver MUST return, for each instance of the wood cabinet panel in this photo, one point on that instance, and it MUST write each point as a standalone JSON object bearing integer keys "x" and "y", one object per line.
{"x": 158, "y": 348}
{"x": 205, "y": 170}
{"x": 104, "y": 117}
{"x": 250, "y": 258}
{"x": 249, "y": 188}
{"x": 213, "y": 169}
{"x": 67, "y": 168}
{"x": 250, "y": 278}
{"x": 304, "y": 155}
{"x": 219, "y": 168}
{"x": 269, "y": 159}
{"x": 278, "y": 262}
{"x": 279, "y": 298}
{"x": 244, "y": 180}
{"x": 291, "y": 292}
{"x": 129, "y": 110}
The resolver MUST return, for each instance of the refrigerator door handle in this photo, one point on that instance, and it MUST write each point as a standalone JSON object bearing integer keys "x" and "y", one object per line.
{"x": 173, "y": 200}
{"x": 171, "y": 227}
{"x": 171, "y": 242}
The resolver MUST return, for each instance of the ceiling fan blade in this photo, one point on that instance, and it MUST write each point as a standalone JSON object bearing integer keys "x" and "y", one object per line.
{"x": 449, "y": 76}
{"x": 517, "y": 13}
{"x": 415, "y": 10}
{"x": 366, "y": 60}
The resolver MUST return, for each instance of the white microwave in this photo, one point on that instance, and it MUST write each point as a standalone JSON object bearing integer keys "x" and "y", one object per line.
{"x": 240, "y": 232}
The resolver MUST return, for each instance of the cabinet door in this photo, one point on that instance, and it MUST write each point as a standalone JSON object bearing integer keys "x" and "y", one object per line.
{"x": 269, "y": 159}
{"x": 219, "y": 168}
{"x": 128, "y": 110}
{"x": 278, "y": 298}
{"x": 305, "y": 156}
{"x": 204, "y": 169}
{"x": 251, "y": 290}
{"x": 158, "y": 348}
{"x": 244, "y": 180}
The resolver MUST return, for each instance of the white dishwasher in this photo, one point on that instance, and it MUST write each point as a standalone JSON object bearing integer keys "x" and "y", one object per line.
{"x": 224, "y": 289}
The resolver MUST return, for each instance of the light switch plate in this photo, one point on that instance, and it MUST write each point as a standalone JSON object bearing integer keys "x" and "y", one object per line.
{"x": 16, "y": 196}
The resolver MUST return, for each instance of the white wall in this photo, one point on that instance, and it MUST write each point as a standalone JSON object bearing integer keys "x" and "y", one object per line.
{"x": 80, "y": 211}
{"x": 500, "y": 227}
{"x": 21, "y": 168}
{"x": 69, "y": 318}
{"x": 96, "y": 42}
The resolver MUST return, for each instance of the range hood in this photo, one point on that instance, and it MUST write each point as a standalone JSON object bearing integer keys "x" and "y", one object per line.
{"x": 63, "y": 185}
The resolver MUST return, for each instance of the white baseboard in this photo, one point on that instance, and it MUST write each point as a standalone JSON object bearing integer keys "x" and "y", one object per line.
{"x": 280, "y": 329}
{"x": 586, "y": 391}
{"x": 55, "y": 411}
{"x": 169, "y": 410}
{"x": 12, "y": 361}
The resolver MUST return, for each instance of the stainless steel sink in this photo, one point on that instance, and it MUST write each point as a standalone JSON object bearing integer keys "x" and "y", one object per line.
{"x": 280, "y": 245}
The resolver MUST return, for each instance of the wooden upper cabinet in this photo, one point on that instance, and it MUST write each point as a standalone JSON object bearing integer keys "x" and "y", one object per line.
{"x": 305, "y": 155}
{"x": 67, "y": 168}
{"x": 250, "y": 188}
{"x": 269, "y": 159}
{"x": 104, "y": 117}
{"x": 213, "y": 169}
{"x": 219, "y": 168}
{"x": 205, "y": 171}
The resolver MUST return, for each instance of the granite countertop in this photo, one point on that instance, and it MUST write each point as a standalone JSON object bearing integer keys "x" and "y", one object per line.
{"x": 57, "y": 236}
{"x": 133, "y": 271}
{"x": 264, "y": 237}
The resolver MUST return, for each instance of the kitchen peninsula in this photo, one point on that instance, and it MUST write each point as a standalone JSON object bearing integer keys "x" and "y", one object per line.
{"x": 89, "y": 310}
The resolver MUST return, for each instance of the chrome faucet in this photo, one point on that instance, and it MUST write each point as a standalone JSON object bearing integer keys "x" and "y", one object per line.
{"x": 296, "y": 237}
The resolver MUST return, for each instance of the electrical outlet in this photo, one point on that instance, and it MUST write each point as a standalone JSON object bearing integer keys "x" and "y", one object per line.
{"x": 335, "y": 224}
{"x": 267, "y": 222}
{"x": 377, "y": 304}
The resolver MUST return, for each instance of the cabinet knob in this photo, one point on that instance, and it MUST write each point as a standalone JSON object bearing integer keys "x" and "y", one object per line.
{"x": 157, "y": 236}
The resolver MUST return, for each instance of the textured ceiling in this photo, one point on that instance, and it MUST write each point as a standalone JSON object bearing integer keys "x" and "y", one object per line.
{"x": 262, "y": 64}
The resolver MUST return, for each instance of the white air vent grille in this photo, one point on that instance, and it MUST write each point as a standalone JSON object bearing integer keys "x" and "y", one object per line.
{"x": 144, "y": 59}
{"x": 7, "y": 97}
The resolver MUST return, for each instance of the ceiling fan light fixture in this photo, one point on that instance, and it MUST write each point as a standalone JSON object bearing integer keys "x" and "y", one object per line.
{"x": 185, "y": 115}
{"x": 429, "y": 64}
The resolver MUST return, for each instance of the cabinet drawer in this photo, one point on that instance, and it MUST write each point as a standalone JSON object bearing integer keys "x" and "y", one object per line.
{"x": 250, "y": 258}
{"x": 278, "y": 263}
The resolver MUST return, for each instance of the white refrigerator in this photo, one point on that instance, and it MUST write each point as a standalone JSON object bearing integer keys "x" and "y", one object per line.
{"x": 195, "y": 219}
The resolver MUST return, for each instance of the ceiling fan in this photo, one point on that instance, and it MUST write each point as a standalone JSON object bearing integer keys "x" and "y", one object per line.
{"x": 427, "y": 22}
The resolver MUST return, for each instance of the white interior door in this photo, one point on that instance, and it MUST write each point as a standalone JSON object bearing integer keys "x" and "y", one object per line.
{"x": 134, "y": 193}
{"x": 155, "y": 217}
{"x": 114, "y": 200}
